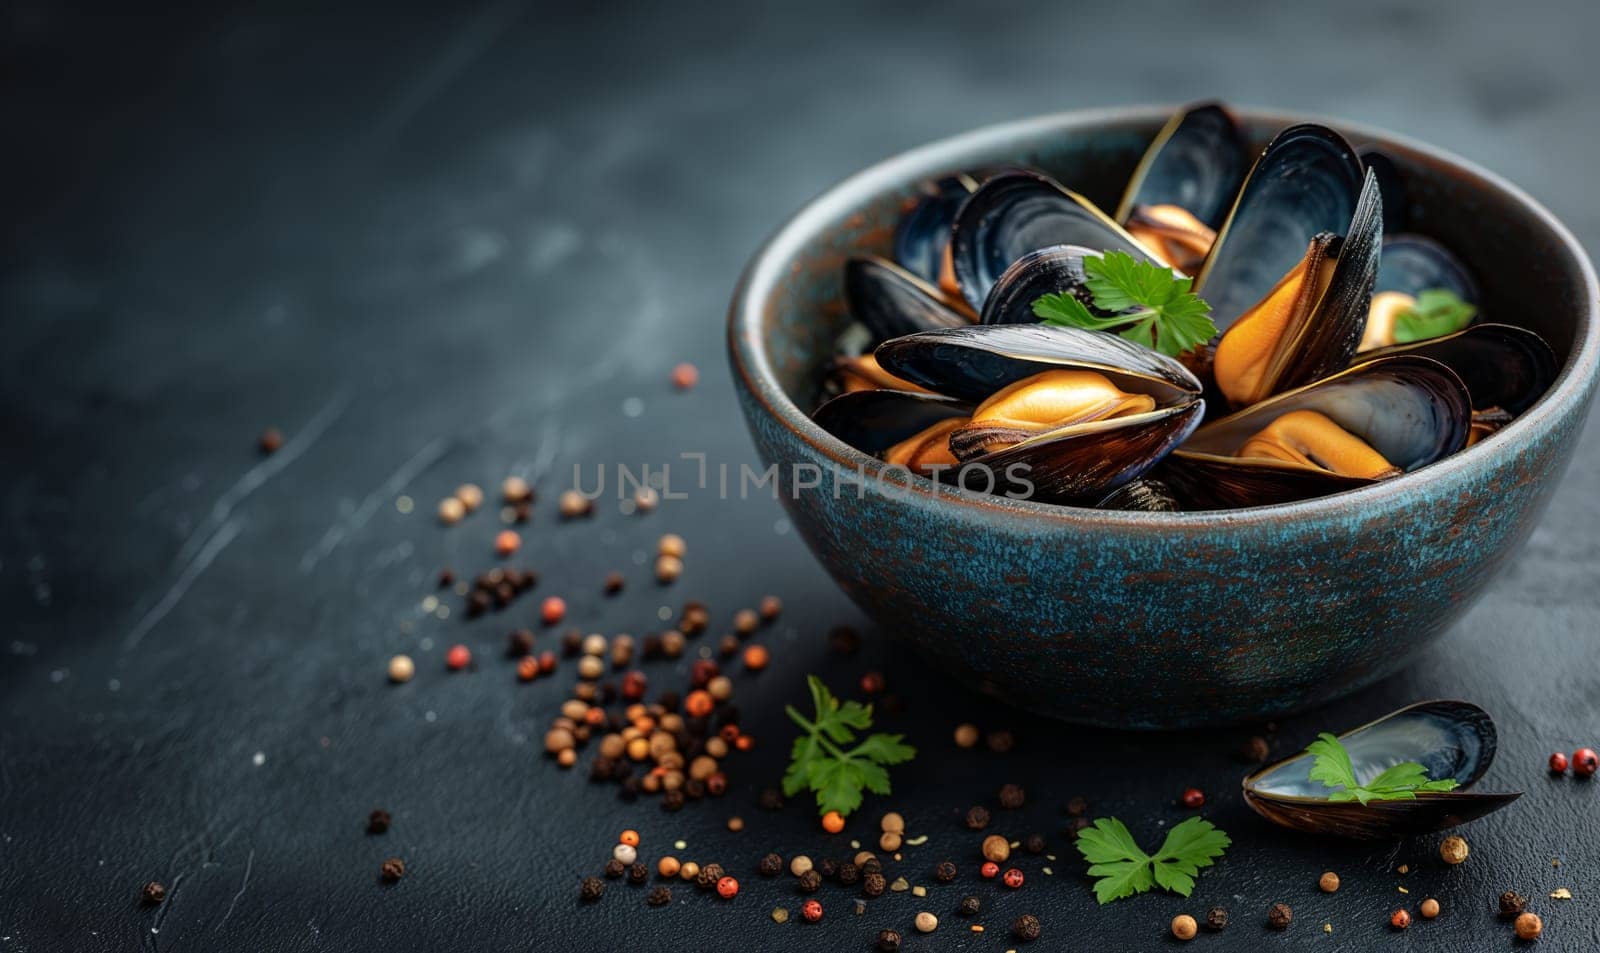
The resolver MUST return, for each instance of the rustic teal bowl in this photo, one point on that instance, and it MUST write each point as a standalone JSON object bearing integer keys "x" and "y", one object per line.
{"x": 1157, "y": 620}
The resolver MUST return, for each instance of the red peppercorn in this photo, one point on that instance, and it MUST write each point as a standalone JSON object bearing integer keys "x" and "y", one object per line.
{"x": 730, "y": 733}
{"x": 527, "y": 668}
{"x": 547, "y": 662}
{"x": 1400, "y": 919}
{"x": 1558, "y": 763}
{"x": 1584, "y": 762}
{"x": 553, "y": 610}
{"x": 702, "y": 672}
{"x": 727, "y": 888}
{"x": 744, "y": 742}
{"x": 633, "y": 685}
{"x": 872, "y": 683}
{"x": 989, "y": 870}
{"x": 811, "y": 910}
{"x": 1012, "y": 878}
{"x": 1193, "y": 797}
{"x": 457, "y": 658}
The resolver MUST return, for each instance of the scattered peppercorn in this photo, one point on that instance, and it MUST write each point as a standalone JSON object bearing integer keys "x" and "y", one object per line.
{"x": 1012, "y": 878}
{"x": 1429, "y": 908}
{"x": 378, "y": 821}
{"x": 1584, "y": 764}
{"x": 1558, "y": 763}
{"x": 659, "y": 897}
{"x": 771, "y": 865}
{"x": 615, "y": 868}
{"x": 1184, "y": 927}
{"x": 1217, "y": 918}
{"x": 810, "y": 881}
{"x": 1034, "y": 844}
{"x": 685, "y": 376}
{"x": 833, "y": 822}
{"x": 1279, "y": 916}
{"x": 799, "y": 864}
{"x": 756, "y": 657}
{"x": 271, "y": 440}
{"x": 873, "y": 885}
{"x": 1329, "y": 882}
{"x": 689, "y": 871}
{"x": 1255, "y": 750}
{"x": 849, "y": 874}
{"x": 668, "y": 866}
{"x": 843, "y": 640}
{"x": 996, "y": 848}
{"x": 672, "y": 800}
{"x": 890, "y": 841}
{"x": 394, "y": 868}
{"x": 507, "y": 542}
{"x": 1400, "y": 919}
{"x": 1512, "y": 903}
{"x": 625, "y": 852}
{"x": 1529, "y": 926}
{"x": 1026, "y": 927}
{"x": 638, "y": 873}
{"x": 944, "y": 871}
{"x": 1193, "y": 798}
{"x": 989, "y": 870}
{"x": 1453, "y": 849}
{"x": 771, "y": 799}
{"x": 1000, "y": 741}
{"x": 1077, "y": 806}
{"x": 977, "y": 818}
{"x": 401, "y": 669}
{"x": 771, "y": 607}
{"x": 872, "y": 683}
{"x": 1011, "y": 796}
{"x": 888, "y": 941}
{"x": 868, "y": 863}
{"x": 451, "y": 511}
{"x": 926, "y": 922}
{"x": 727, "y": 888}
{"x": 811, "y": 911}
{"x": 966, "y": 735}
{"x": 553, "y": 610}
{"x": 153, "y": 893}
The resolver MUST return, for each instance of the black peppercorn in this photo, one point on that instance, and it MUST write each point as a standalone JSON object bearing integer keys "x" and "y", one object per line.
{"x": 519, "y": 643}
{"x": 873, "y": 885}
{"x": 477, "y": 603}
{"x": 601, "y": 768}
{"x": 969, "y": 906}
{"x": 771, "y": 865}
{"x": 977, "y": 818}
{"x": 889, "y": 941}
{"x": 1076, "y": 826}
{"x": 810, "y": 881}
{"x": 378, "y": 821}
{"x": 613, "y": 583}
{"x": 1000, "y": 741}
{"x": 1216, "y": 918}
{"x": 669, "y": 700}
{"x": 1255, "y": 750}
{"x": 1034, "y": 844}
{"x": 615, "y": 868}
{"x": 153, "y": 893}
{"x": 630, "y": 789}
{"x": 1279, "y": 916}
{"x": 944, "y": 872}
{"x": 1077, "y": 806}
{"x": 709, "y": 875}
{"x": 872, "y": 865}
{"x": 1011, "y": 796}
{"x": 447, "y": 578}
{"x": 591, "y": 888}
{"x": 393, "y": 869}
{"x": 571, "y": 643}
{"x": 848, "y": 873}
{"x": 659, "y": 897}
{"x": 828, "y": 868}
{"x": 638, "y": 873}
{"x": 1512, "y": 904}
{"x": 843, "y": 640}
{"x": 694, "y": 789}
{"x": 771, "y": 799}
{"x": 1026, "y": 927}
{"x": 651, "y": 647}
{"x": 672, "y": 800}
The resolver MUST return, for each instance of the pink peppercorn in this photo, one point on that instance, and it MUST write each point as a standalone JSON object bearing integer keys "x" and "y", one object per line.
{"x": 457, "y": 658}
{"x": 1194, "y": 797}
{"x": 1012, "y": 878}
{"x": 1558, "y": 763}
{"x": 728, "y": 888}
{"x": 811, "y": 910}
{"x": 553, "y": 610}
{"x": 1585, "y": 763}
{"x": 989, "y": 870}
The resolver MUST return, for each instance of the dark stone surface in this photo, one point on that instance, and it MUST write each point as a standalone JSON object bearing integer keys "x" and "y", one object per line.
{"x": 436, "y": 249}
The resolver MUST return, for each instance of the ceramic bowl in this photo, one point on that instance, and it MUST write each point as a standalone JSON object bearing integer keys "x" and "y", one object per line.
{"x": 1160, "y": 620}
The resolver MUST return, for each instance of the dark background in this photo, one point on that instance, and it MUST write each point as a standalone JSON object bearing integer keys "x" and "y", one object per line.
{"x": 437, "y": 248}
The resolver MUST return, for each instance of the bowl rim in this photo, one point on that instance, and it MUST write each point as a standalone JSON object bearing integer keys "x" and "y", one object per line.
{"x": 768, "y": 268}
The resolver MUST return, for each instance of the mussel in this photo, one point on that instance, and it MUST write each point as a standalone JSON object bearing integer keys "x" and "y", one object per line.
{"x": 1017, "y": 212}
{"x": 891, "y": 301}
{"x": 1053, "y": 413}
{"x": 1450, "y": 739}
{"x": 922, "y": 239}
{"x": 1412, "y": 264}
{"x": 1182, "y": 189}
{"x": 1355, "y": 428}
{"x": 1144, "y": 495}
{"x": 1054, "y": 269}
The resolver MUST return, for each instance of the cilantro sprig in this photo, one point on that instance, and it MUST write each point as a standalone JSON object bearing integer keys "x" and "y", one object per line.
{"x": 828, "y": 760}
{"x": 1148, "y": 304}
{"x": 1438, "y": 311}
{"x": 1122, "y": 869}
{"x": 1331, "y": 765}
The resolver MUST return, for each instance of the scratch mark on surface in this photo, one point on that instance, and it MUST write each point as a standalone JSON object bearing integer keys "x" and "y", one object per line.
{"x": 180, "y": 587}
{"x": 243, "y": 885}
{"x": 259, "y": 474}
{"x": 153, "y": 936}
{"x": 397, "y": 481}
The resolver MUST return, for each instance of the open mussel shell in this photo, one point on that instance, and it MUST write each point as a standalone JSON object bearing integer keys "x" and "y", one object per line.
{"x": 1144, "y": 495}
{"x": 1413, "y": 264}
{"x": 1057, "y": 269}
{"x": 1502, "y": 365}
{"x": 1412, "y": 410}
{"x": 1396, "y": 199}
{"x": 872, "y": 421}
{"x": 1307, "y": 181}
{"x": 1195, "y": 162}
{"x": 1017, "y": 212}
{"x": 891, "y": 301}
{"x": 923, "y": 234}
{"x": 1450, "y": 739}
{"x": 1081, "y": 463}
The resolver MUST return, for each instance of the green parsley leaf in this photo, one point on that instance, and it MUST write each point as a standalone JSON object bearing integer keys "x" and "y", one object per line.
{"x": 1437, "y": 312}
{"x": 828, "y": 761}
{"x": 1331, "y": 765}
{"x": 1147, "y": 304}
{"x": 1121, "y": 869}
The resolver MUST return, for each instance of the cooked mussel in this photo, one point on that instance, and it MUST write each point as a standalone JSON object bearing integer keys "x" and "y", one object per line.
{"x": 876, "y": 421}
{"x": 922, "y": 239}
{"x": 1184, "y": 185}
{"x": 1450, "y": 739}
{"x": 1396, "y": 198}
{"x": 1146, "y": 495}
{"x": 1502, "y": 365}
{"x": 1412, "y": 264}
{"x": 1365, "y": 424}
{"x": 1307, "y": 181}
{"x": 861, "y": 372}
{"x": 891, "y": 301}
{"x": 1017, "y": 212}
{"x": 1057, "y": 269}
{"x": 1310, "y": 323}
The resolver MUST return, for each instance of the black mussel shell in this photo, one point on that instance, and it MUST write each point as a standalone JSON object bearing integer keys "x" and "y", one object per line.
{"x": 1196, "y": 162}
{"x": 1502, "y": 365}
{"x": 1307, "y": 181}
{"x": 1412, "y": 410}
{"x": 891, "y": 301}
{"x": 1145, "y": 495}
{"x": 1450, "y": 739}
{"x": 1396, "y": 200}
{"x": 924, "y": 232}
{"x": 1414, "y": 263}
{"x": 1020, "y": 211}
{"x": 1057, "y": 269}
{"x": 1082, "y": 463}
{"x": 872, "y": 421}
{"x": 974, "y": 362}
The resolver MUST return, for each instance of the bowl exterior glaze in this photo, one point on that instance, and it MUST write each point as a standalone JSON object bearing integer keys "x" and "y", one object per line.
{"x": 1158, "y": 620}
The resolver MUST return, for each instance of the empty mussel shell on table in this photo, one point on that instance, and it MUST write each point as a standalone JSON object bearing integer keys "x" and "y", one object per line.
{"x": 1450, "y": 739}
{"x": 1369, "y": 423}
